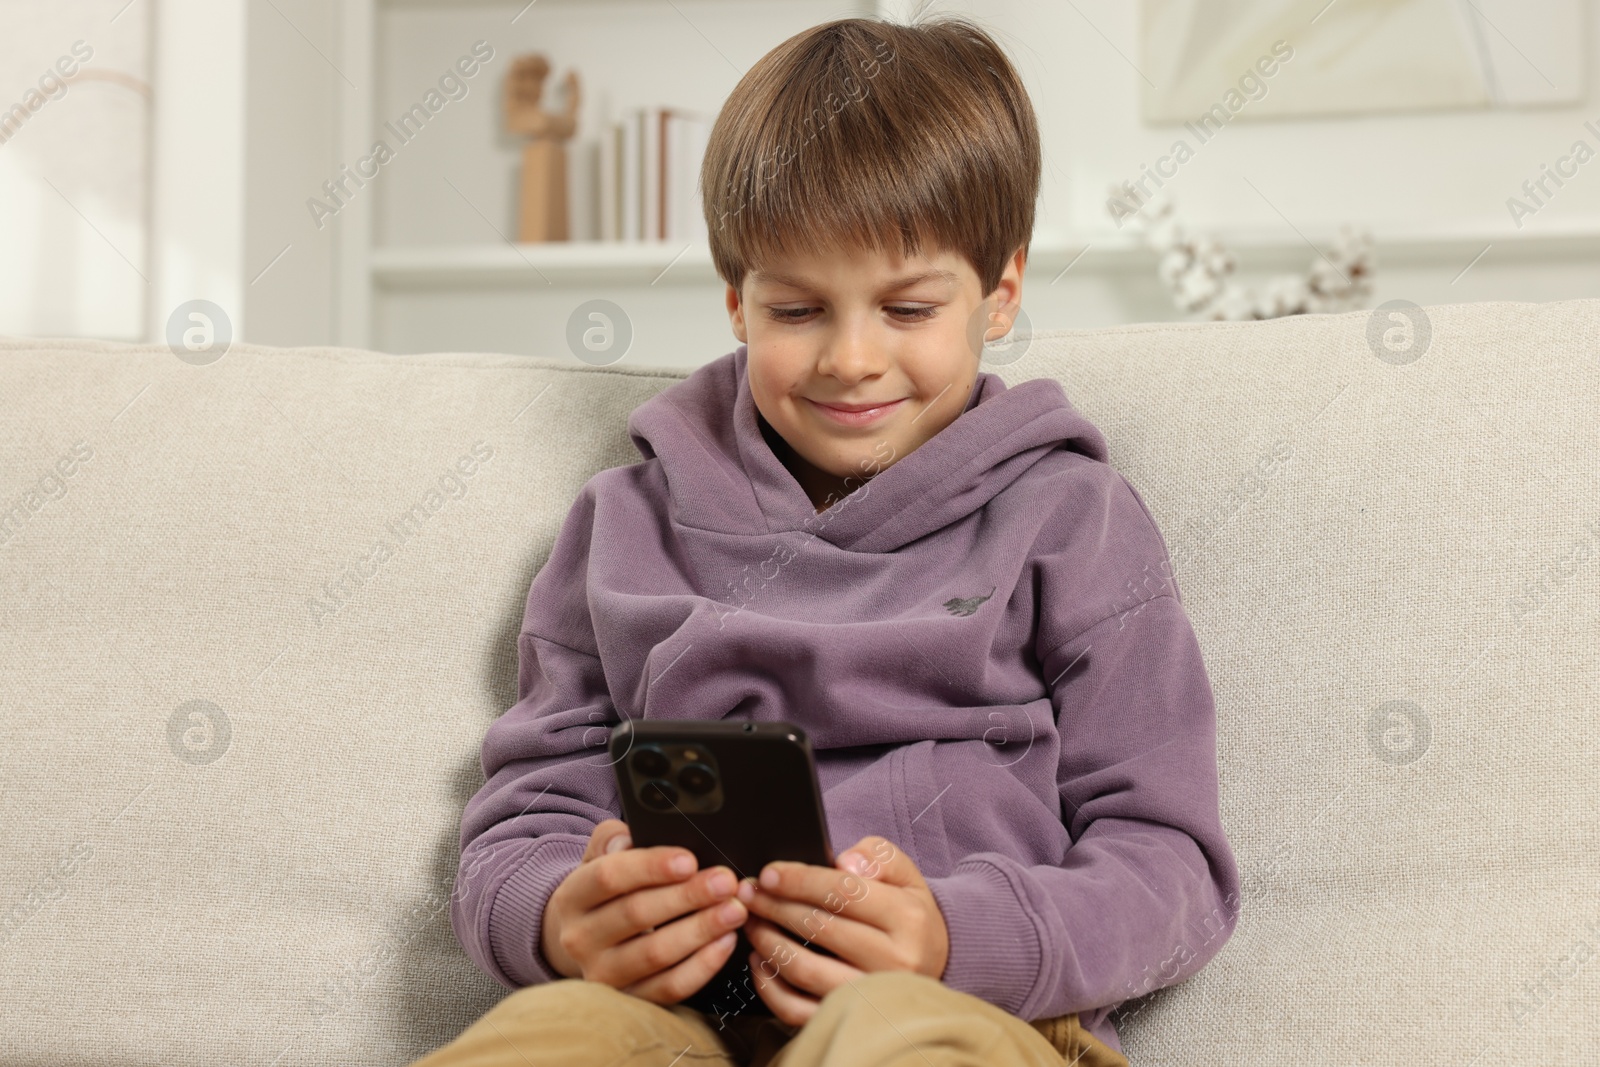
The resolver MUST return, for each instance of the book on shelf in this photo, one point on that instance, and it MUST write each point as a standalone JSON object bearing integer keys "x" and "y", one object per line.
{"x": 648, "y": 175}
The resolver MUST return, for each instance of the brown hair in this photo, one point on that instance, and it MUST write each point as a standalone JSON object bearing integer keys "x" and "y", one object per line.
{"x": 857, "y": 128}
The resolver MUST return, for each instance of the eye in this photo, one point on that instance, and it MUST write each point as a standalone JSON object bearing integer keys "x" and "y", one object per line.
{"x": 906, "y": 314}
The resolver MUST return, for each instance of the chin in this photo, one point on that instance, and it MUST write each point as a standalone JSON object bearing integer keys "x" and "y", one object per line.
{"x": 861, "y": 468}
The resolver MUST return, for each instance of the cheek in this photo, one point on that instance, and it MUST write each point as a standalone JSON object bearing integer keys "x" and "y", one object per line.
{"x": 768, "y": 386}
{"x": 777, "y": 370}
{"x": 947, "y": 362}
{"x": 775, "y": 397}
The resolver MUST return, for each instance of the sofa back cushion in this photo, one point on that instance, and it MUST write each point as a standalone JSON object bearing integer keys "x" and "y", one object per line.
{"x": 256, "y": 616}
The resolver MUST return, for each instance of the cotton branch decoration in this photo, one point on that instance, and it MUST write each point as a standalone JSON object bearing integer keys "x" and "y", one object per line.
{"x": 1198, "y": 271}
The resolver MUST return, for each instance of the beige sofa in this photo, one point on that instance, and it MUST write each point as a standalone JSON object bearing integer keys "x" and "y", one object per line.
{"x": 255, "y": 619}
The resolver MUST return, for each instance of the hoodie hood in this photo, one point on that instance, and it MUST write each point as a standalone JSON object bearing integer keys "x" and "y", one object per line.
{"x": 724, "y": 476}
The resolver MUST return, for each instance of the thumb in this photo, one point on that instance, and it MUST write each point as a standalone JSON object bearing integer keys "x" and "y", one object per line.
{"x": 876, "y": 858}
{"x": 610, "y": 835}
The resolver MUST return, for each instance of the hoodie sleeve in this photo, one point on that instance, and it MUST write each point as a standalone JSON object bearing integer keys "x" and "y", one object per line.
{"x": 1147, "y": 890}
{"x": 548, "y": 781}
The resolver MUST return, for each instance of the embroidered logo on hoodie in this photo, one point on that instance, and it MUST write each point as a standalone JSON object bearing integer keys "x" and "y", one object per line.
{"x": 967, "y": 605}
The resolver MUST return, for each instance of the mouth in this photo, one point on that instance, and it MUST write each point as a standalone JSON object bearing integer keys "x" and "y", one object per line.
{"x": 863, "y": 414}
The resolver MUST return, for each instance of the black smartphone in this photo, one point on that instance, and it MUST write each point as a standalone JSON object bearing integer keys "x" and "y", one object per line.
{"x": 736, "y": 793}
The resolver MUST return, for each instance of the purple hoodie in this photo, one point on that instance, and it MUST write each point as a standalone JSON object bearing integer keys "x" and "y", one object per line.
{"x": 979, "y": 641}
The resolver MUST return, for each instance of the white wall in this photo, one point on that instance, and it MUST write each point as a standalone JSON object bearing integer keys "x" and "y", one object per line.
{"x": 198, "y": 160}
{"x": 1395, "y": 172}
{"x": 293, "y": 86}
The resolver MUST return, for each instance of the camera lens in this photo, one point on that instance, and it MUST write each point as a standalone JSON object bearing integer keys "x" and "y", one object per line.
{"x": 660, "y": 794}
{"x": 696, "y": 779}
{"x": 651, "y": 762}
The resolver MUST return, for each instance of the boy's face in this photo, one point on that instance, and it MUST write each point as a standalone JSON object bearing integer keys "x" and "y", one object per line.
{"x": 856, "y": 327}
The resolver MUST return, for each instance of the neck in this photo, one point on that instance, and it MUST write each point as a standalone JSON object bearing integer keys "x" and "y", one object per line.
{"x": 822, "y": 488}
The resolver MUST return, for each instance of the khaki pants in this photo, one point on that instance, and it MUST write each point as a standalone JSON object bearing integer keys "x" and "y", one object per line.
{"x": 881, "y": 1019}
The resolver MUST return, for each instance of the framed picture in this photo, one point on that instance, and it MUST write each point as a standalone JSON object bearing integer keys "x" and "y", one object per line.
{"x": 1278, "y": 58}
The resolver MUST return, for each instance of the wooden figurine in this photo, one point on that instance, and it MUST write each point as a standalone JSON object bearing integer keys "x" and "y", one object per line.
{"x": 543, "y": 215}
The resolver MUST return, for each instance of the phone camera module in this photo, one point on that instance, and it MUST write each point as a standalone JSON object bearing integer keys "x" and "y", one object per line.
{"x": 674, "y": 778}
{"x": 697, "y": 779}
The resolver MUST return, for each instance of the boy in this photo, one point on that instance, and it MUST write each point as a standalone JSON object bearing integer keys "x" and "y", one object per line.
{"x": 844, "y": 524}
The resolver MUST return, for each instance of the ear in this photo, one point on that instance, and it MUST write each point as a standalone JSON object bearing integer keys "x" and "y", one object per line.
{"x": 1008, "y": 293}
{"x": 736, "y": 314}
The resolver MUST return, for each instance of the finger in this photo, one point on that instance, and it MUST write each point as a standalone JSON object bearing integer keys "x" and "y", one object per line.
{"x": 843, "y": 934}
{"x": 643, "y": 909}
{"x": 830, "y": 890}
{"x": 610, "y": 876}
{"x": 602, "y": 837}
{"x": 637, "y": 958}
{"x": 800, "y": 967}
{"x": 788, "y": 1004}
{"x": 684, "y": 979}
{"x": 881, "y": 861}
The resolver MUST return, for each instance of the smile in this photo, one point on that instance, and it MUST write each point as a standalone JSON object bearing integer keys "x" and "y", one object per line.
{"x": 860, "y": 417}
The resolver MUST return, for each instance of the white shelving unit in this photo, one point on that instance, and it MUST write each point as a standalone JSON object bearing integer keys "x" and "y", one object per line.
{"x": 368, "y": 266}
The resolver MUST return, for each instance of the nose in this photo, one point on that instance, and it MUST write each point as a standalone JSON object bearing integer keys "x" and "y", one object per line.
{"x": 853, "y": 352}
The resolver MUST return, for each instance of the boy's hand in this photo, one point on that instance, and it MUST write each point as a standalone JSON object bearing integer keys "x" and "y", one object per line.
{"x": 612, "y": 919}
{"x": 879, "y": 917}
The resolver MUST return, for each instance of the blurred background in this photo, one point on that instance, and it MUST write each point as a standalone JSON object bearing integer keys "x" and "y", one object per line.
{"x": 347, "y": 172}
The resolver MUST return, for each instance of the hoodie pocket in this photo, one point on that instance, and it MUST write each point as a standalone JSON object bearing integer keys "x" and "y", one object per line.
{"x": 919, "y": 809}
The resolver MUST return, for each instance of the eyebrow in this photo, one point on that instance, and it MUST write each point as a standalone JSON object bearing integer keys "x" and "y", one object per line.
{"x": 936, "y": 274}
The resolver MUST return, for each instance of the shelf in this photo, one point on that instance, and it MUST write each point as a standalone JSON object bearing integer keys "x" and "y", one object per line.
{"x": 1109, "y": 250}
{"x": 373, "y": 37}
{"x": 551, "y": 263}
